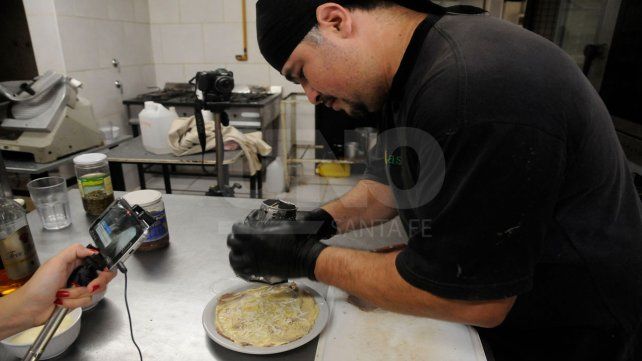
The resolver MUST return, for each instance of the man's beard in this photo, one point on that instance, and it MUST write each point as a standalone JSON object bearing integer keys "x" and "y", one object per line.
{"x": 357, "y": 109}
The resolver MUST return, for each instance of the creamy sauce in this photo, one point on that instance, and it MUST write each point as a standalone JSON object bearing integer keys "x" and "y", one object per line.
{"x": 29, "y": 336}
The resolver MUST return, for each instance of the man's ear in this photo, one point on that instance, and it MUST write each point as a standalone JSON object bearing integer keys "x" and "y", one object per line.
{"x": 335, "y": 18}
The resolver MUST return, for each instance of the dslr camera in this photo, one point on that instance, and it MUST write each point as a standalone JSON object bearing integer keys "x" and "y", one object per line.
{"x": 214, "y": 86}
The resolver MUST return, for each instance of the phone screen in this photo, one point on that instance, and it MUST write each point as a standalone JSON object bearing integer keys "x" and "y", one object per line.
{"x": 115, "y": 232}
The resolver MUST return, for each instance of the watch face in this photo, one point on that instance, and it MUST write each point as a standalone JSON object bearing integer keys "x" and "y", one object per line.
{"x": 116, "y": 231}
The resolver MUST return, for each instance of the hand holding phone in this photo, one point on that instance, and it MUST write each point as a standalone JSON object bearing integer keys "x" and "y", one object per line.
{"x": 117, "y": 233}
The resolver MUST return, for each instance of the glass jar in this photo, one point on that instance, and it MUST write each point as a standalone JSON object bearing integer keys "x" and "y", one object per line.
{"x": 94, "y": 182}
{"x": 152, "y": 202}
{"x": 18, "y": 256}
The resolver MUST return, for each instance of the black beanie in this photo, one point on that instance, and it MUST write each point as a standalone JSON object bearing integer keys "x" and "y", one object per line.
{"x": 282, "y": 24}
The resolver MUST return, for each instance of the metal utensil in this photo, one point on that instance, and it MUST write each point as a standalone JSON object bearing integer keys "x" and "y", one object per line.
{"x": 38, "y": 348}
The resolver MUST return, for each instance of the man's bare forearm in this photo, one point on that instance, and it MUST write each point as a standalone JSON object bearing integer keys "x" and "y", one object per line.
{"x": 369, "y": 203}
{"x": 374, "y": 278}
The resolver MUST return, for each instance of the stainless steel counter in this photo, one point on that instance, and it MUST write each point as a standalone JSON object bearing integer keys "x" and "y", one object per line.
{"x": 30, "y": 167}
{"x": 168, "y": 289}
{"x": 132, "y": 151}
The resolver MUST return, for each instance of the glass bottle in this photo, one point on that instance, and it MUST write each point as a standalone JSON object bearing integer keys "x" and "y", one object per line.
{"x": 18, "y": 256}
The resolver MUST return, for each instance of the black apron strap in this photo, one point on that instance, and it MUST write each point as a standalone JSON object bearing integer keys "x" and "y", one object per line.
{"x": 430, "y": 7}
{"x": 465, "y": 10}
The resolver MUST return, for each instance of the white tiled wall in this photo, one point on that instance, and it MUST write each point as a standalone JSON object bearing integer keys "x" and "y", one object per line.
{"x": 156, "y": 41}
{"x": 193, "y": 35}
{"x": 81, "y": 37}
{"x": 43, "y": 27}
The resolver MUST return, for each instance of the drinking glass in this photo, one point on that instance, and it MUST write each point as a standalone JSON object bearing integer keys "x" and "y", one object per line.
{"x": 49, "y": 195}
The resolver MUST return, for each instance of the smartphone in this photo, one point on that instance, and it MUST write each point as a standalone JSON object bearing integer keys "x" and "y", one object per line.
{"x": 119, "y": 231}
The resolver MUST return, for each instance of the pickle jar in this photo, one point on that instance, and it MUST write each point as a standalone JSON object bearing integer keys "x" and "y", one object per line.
{"x": 94, "y": 182}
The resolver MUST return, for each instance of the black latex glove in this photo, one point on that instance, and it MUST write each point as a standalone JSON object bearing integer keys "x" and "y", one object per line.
{"x": 286, "y": 249}
{"x": 317, "y": 224}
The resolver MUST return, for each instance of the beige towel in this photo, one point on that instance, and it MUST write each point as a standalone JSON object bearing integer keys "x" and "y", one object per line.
{"x": 183, "y": 139}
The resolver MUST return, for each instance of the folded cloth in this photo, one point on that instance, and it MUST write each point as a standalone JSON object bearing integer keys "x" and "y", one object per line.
{"x": 183, "y": 140}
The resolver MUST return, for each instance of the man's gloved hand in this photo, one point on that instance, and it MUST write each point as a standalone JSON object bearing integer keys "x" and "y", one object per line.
{"x": 286, "y": 249}
{"x": 318, "y": 223}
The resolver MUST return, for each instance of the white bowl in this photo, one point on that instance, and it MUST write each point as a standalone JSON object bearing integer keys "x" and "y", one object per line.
{"x": 58, "y": 344}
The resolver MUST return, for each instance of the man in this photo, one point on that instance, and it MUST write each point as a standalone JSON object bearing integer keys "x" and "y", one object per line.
{"x": 499, "y": 158}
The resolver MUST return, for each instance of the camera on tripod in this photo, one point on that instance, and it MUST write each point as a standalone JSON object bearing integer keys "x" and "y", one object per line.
{"x": 214, "y": 86}
{"x": 213, "y": 93}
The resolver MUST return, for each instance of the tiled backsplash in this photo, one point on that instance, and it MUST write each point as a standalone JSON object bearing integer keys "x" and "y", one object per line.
{"x": 192, "y": 35}
{"x": 81, "y": 37}
{"x": 156, "y": 41}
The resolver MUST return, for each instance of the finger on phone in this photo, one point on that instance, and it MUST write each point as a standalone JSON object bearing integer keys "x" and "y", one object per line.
{"x": 99, "y": 284}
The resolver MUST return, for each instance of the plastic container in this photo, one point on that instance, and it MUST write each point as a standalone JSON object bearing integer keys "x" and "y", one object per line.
{"x": 155, "y": 121}
{"x": 18, "y": 256}
{"x": 110, "y": 133}
{"x": 94, "y": 182}
{"x": 152, "y": 202}
{"x": 334, "y": 170}
{"x": 367, "y": 138}
{"x": 274, "y": 177}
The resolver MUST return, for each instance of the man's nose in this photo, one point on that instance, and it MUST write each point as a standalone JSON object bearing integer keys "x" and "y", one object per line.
{"x": 313, "y": 96}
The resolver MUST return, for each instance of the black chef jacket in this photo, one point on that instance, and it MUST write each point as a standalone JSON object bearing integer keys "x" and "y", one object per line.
{"x": 510, "y": 180}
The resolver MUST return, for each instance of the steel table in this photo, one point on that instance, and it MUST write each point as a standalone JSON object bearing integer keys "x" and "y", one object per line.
{"x": 168, "y": 289}
{"x": 37, "y": 170}
{"x": 132, "y": 152}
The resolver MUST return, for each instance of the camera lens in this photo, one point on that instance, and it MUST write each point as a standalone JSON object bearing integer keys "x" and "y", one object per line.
{"x": 224, "y": 84}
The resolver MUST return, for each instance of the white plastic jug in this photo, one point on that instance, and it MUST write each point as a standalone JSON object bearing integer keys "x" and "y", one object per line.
{"x": 274, "y": 177}
{"x": 155, "y": 121}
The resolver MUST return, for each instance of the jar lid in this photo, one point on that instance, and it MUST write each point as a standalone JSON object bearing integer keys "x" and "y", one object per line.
{"x": 90, "y": 158}
{"x": 143, "y": 198}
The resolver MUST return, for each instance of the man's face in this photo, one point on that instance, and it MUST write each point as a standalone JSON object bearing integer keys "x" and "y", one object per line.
{"x": 335, "y": 71}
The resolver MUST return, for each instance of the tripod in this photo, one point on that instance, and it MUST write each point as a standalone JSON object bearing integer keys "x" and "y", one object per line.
{"x": 222, "y": 188}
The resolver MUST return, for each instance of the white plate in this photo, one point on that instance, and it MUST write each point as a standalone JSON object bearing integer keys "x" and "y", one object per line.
{"x": 209, "y": 315}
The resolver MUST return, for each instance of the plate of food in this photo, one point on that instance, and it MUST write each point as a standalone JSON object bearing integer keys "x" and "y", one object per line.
{"x": 262, "y": 319}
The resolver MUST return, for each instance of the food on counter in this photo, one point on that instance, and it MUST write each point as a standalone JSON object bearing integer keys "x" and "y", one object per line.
{"x": 266, "y": 316}
{"x": 29, "y": 336}
{"x": 96, "y": 202}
